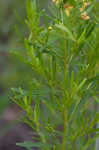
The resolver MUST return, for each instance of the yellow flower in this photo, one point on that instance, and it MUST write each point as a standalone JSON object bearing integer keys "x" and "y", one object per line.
{"x": 49, "y": 28}
{"x": 85, "y": 4}
{"x": 68, "y": 9}
{"x": 84, "y": 16}
{"x": 81, "y": 9}
{"x": 56, "y": 1}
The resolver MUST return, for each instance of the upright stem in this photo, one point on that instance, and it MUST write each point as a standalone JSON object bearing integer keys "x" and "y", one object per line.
{"x": 64, "y": 134}
{"x": 65, "y": 87}
{"x": 62, "y": 16}
{"x": 64, "y": 99}
{"x": 64, "y": 112}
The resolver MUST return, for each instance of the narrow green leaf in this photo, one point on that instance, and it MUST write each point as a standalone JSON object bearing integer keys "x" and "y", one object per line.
{"x": 65, "y": 29}
{"x": 96, "y": 99}
{"x": 89, "y": 142}
{"x": 29, "y": 144}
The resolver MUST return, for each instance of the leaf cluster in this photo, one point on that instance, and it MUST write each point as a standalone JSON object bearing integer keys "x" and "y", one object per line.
{"x": 63, "y": 53}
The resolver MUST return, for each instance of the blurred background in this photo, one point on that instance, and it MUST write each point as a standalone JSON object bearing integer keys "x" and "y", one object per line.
{"x": 13, "y": 73}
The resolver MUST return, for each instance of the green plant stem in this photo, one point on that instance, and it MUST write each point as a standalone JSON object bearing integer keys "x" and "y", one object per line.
{"x": 64, "y": 99}
{"x": 40, "y": 134}
{"x": 64, "y": 134}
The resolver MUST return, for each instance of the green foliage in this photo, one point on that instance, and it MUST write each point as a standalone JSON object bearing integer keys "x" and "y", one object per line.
{"x": 63, "y": 54}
